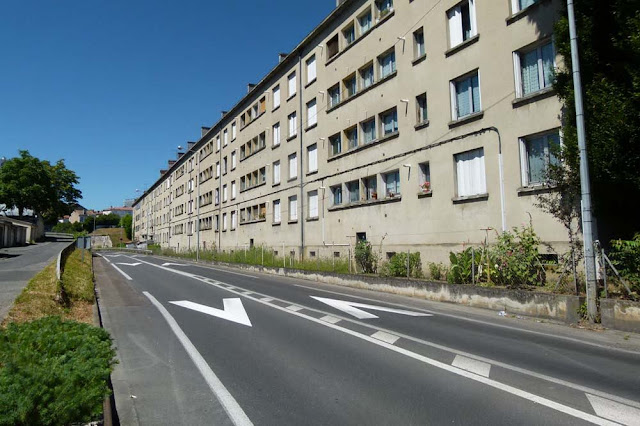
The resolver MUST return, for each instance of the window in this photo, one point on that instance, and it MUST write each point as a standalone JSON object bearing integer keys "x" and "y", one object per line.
{"x": 262, "y": 105}
{"x": 292, "y": 84}
{"x": 292, "y": 124}
{"x": 332, "y": 47}
{"x": 364, "y": 21}
{"x": 366, "y": 76}
{"x": 425, "y": 177}
{"x": 276, "y": 172}
{"x": 387, "y": 63}
{"x": 421, "y": 108}
{"x": 370, "y": 188}
{"x": 336, "y": 192}
{"x": 217, "y": 169}
{"x": 389, "y": 122}
{"x": 276, "y": 97}
{"x": 418, "y": 43}
{"x": 384, "y": 7}
{"x": 217, "y": 198}
{"x": 311, "y": 69}
{"x": 392, "y": 183}
{"x": 233, "y": 160}
{"x": 224, "y": 221}
{"x": 353, "y": 188}
{"x": 369, "y": 131}
{"x": 350, "y": 87}
{"x": 465, "y": 96}
{"x": 312, "y": 152}
{"x": 470, "y": 173}
{"x": 276, "y": 211}
{"x": 224, "y": 193}
{"x": 334, "y": 95}
{"x": 351, "y": 135}
{"x": 335, "y": 143}
{"x": 518, "y": 5}
{"x": 234, "y": 220}
{"x": 293, "y": 208}
{"x": 312, "y": 113}
{"x": 349, "y": 34}
{"x": 462, "y": 22}
{"x": 233, "y": 189}
{"x": 233, "y": 130}
{"x": 276, "y": 134}
{"x": 537, "y": 154}
{"x": 312, "y": 197}
{"x": 293, "y": 166}
{"x": 217, "y": 143}
{"x": 226, "y": 137}
{"x": 534, "y": 69}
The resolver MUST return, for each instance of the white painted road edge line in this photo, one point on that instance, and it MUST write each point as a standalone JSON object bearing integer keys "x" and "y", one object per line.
{"x": 455, "y": 370}
{"x": 230, "y": 405}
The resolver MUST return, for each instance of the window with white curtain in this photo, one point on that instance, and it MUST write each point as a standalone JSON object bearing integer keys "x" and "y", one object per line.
{"x": 387, "y": 63}
{"x": 534, "y": 69}
{"x": 470, "y": 173}
{"x": 389, "y": 121}
{"x": 276, "y": 134}
{"x": 311, "y": 69}
{"x": 293, "y": 207}
{"x": 353, "y": 188}
{"x": 276, "y": 172}
{"x": 217, "y": 169}
{"x": 293, "y": 166}
{"x": 537, "y": 153}
{"x": 217, "y": 143}
{"x": 293, "y": 128}
{"x": 224, "y": 221}
{"x": 276, "y": 211}
{"x": 465, "y": 96}
{"x": 233, "y": 159}
{"x": 392, "y": 183}
{"x": 224, "y": 193}
{"x": 233, "y": 130}
{"x": 462, "y": 22}
{"x": 365, "y": 21}
{"x": 292, "y": 84}
{"x": 313, "y": 203}
{"x": 312, "y": 152}
{"x": 226, "y": 137}
{"x": 234, "y": 220}
{"x": 276, "y": 97}
{"x": 233, "y": 189}
{"x": 312, "y": 112}
{"x": 518, "y": 5}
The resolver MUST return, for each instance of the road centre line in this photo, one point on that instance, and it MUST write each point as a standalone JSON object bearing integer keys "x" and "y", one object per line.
{"x": 507, "y": 327}
{"x": 231, "y": 407}
{"x": 452, "y": 369}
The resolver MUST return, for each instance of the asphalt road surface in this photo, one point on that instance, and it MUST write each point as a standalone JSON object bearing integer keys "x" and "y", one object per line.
{"x": 211, "y": 345}
{"x": 19, "y": 264}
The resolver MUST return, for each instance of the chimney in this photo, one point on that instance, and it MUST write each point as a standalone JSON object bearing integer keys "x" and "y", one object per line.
{"x": 223, "y": 113}
{"x": 190, "y": 145}
{"x": 339, "y": 2}
{"x": 179, "y": 156}
{"x": 204, "y": 130}
{"x": 171, "y": 163}
{"x": 250, "y": 87}
{"x": 282, "y": 56}
{"x": 162, "y": 172}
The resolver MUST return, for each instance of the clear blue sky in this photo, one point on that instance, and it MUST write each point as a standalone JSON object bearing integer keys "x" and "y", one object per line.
{"x": 114, "y": 86}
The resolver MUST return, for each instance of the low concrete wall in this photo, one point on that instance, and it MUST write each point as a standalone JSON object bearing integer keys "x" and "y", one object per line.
{"x": 101, "y": 241}
{"x": 540, "y": 305}
{"x": 620, "y": 314}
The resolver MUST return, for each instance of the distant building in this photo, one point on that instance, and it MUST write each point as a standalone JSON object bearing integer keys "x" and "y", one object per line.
{"x": 80, "y": 214}
{"x": 120, "y": 211}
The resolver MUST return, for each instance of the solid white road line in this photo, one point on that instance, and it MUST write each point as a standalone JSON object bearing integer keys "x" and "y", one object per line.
{"x": 478, "y": 367}
{"x": 294, "y": 308}
{"x": 489, "y": 382}
{"x": 266, "y": 299}
{"x": 385, "y": 337}
{"x": 615, "y": 411}
{"x": 230, "y": 405}
{"x": 330, "y": 319}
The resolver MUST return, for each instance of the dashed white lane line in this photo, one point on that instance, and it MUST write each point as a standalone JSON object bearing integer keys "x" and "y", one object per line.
{"x": 330, "y": 319}
{"x": 615, "y": 411}
{"x": 267, "y": 299}
{"x": 246, "y": 293}
{"x": 294, "y": 308}
{"x": 385, "y": 337}
{"x": 472, "y": 365}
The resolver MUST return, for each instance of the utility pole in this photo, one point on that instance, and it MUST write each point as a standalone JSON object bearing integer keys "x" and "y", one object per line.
{"x": 585, "y": 187}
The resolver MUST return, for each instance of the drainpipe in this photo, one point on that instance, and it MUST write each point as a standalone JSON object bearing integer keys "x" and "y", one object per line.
{"x": 501, "y": 172}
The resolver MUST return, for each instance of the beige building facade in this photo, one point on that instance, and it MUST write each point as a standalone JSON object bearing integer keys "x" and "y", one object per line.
{"x": 419, "y": 125}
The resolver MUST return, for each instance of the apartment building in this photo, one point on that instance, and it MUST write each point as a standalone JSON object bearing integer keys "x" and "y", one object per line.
{"x": 418, "y": 125}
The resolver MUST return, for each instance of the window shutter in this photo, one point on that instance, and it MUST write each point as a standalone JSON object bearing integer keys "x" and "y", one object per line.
{"x": 455, "y": 26}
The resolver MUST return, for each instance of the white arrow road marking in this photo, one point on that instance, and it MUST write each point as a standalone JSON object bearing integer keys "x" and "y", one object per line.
{"x": 129, "y": 264}
{"x": 233, "y": 310}
{"x": 173, "y": 264}
{"x": 614, "y": 410}
{"x": 352, "y": 308}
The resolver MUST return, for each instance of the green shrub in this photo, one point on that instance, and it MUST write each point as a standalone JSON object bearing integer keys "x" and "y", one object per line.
{"x": 437, "y": 271}
{"x": 53, "y": 372}
{"x": 515, "y": 259}
{"x": 460, "y": 271}
{"x": 365, "y": 258}
{"x": 625, "y": 256}
{"x": 397, "y": 265}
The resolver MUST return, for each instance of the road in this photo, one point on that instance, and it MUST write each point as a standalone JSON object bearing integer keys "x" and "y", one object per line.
{"x": 211, "y": 345}
{"x": 19, "y": 264}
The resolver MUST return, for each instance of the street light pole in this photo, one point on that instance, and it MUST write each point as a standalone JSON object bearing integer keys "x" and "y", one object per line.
{"x": 585, "y": 187}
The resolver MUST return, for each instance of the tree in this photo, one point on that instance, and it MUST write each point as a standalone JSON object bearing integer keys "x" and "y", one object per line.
{"x": 609, "y": 46}
{"x": 26, "y": 182}
{"x": 126, "y": 223}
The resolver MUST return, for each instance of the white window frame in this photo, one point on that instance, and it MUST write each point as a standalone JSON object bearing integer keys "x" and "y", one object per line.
{"x": 234, "y": 132}
{"x": 234, "y": 191}
{"x": 312, "y": 204}
{"x": 293, "y": 165}
{"x": 524, "y": 163}
{"x": 276, "y": 172}
{"x": 275, "y": 132}
{"x": 515, "y": 6}
{"x": 293, "y": 208}
{"x": 311, "y": 69}
{"x": 454, "y": 18}
{"x": 277, "y": 211}
{"x": 293, "y": 123}
{"x": 454, "y": 95}
{"x": 276, "y": 96}
{"x": 233, "y": 159}
{"x": 312, "y": 112}
{"x": 517, "y": 66}
{"x": 291, "y": 84}
{"x": 312, "y": 157}
{"x": 466, "y": 184}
